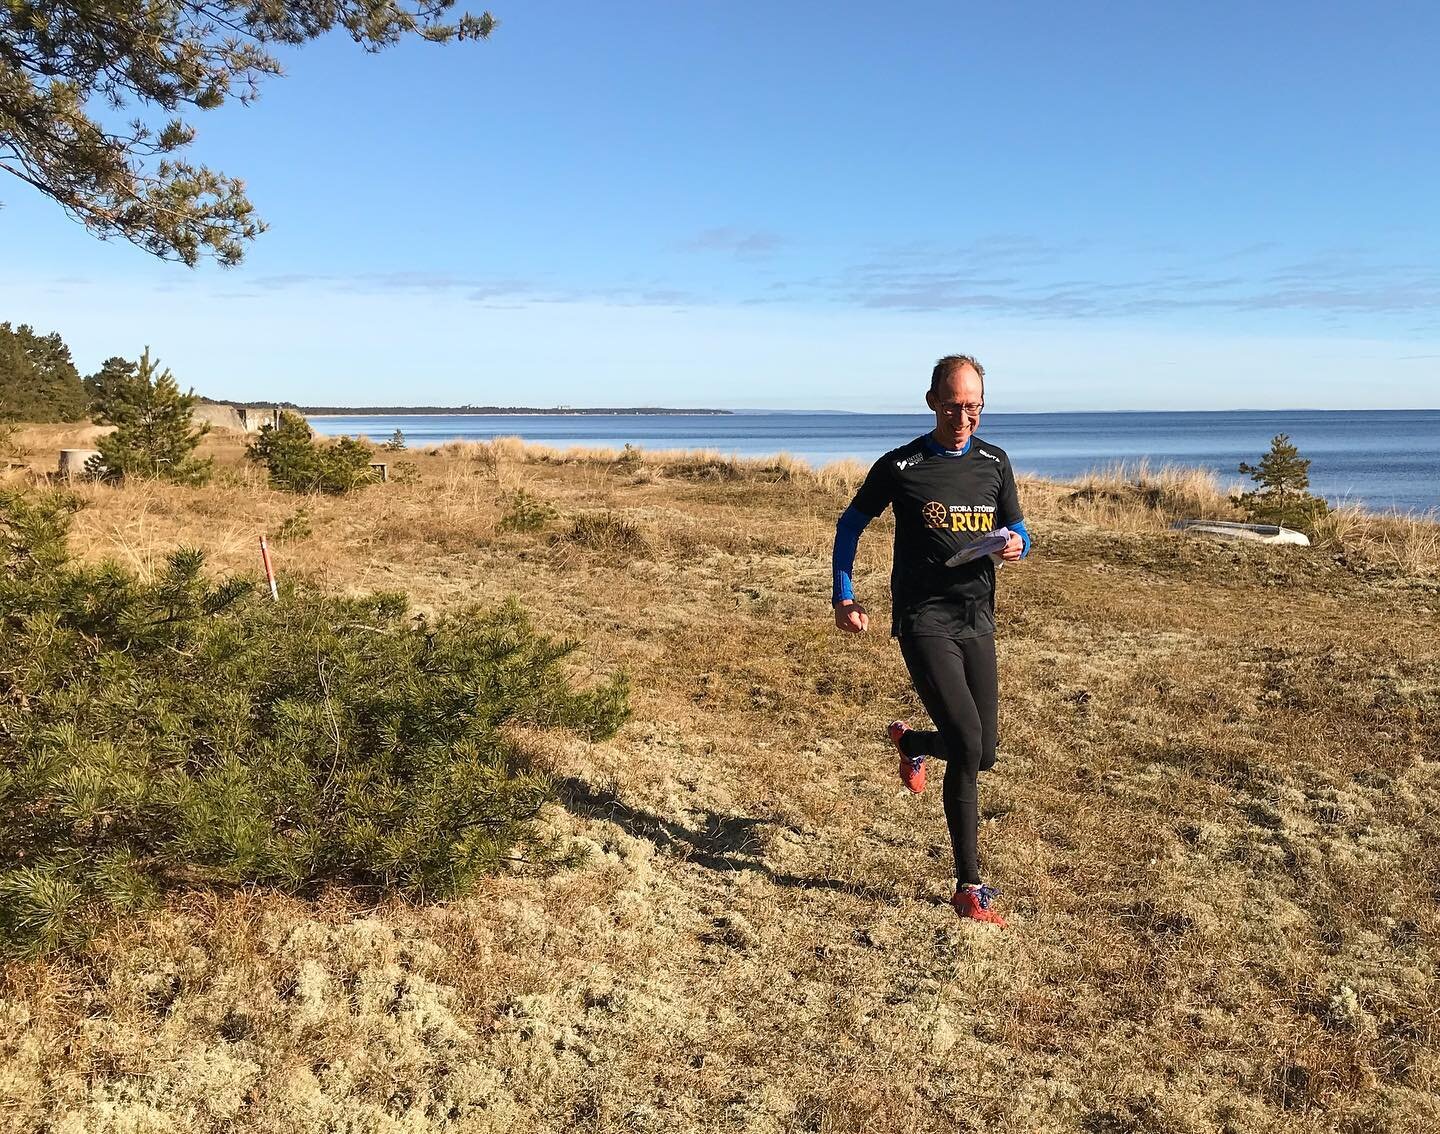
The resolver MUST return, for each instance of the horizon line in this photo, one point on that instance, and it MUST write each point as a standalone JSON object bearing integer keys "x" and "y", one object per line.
{"x": 651, "y": 411}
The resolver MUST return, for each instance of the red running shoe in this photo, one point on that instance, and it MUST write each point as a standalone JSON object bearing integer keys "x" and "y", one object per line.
{"x": 974, "y": 902}
{"x": 912, "y": 769}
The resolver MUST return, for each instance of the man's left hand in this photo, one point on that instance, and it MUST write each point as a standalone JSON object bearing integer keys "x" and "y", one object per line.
{"x": 1013, "y": 549}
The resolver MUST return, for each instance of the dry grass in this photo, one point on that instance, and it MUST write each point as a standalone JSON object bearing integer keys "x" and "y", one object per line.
{"x": 681, "y": 464}
{"x": 1215, "y": 821}
{"x": 607, "y": 532}
{"x": 1408, "y": 544}
{"x": 1134, "y": 497}
{"x": 22, "y": 446}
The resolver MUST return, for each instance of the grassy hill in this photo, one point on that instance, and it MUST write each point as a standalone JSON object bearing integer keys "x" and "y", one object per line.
{"x": 1214, "y": 820}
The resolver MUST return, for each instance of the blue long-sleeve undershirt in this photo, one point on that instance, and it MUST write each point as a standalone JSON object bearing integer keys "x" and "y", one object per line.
{"x": 847, "y": 541}
{"x": 1018, "y": 527}
{"x": 842, "y": 558}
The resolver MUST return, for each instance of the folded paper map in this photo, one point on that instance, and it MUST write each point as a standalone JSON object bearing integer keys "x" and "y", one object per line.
{"x": 992, "y": 543}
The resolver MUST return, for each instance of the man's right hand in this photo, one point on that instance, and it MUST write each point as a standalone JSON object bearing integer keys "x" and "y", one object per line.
{"x": 850, "y": 616}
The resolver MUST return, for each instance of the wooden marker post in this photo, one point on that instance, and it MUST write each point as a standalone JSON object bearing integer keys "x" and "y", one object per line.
{"x": 269, "y": 570}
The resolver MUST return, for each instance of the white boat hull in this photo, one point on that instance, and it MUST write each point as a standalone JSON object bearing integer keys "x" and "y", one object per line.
{"x": 1254, "y": 533}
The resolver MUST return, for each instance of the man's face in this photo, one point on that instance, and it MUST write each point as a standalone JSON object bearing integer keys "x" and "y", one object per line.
{"x": 953, "y": 422}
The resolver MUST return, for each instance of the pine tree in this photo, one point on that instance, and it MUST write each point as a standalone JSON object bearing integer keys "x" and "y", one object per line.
{"x": 297, "y": 464}
{"x": 96, "y": 102}
{"x": 154, "y": 433}
{"x": 181, "y": 731}
{"x": 396, "y": 444}
{"x": 1284, "y": 479}
{"x": 1282, "y": 471}
{"x": 38, "y": 379}
{"x": 112, "y": 371}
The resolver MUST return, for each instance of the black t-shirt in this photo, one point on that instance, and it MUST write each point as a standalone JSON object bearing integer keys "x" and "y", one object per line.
{"x": 941, "y": 503}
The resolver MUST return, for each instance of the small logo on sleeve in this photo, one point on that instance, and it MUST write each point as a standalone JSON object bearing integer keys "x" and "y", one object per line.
{"x": 987, "y": 453}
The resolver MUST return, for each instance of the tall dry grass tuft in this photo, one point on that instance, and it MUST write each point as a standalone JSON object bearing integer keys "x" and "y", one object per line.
{"x": 489, "y": 455}
{"x": 1406, "y": 543}
{"x": 1135, "y": 497}
{"x": 608, "y": 532}
{"x": 60, "y": 435}
{"x": 842, "y": 476}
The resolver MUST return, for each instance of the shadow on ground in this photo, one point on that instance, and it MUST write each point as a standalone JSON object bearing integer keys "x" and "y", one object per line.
{"x": 720, "y": 842}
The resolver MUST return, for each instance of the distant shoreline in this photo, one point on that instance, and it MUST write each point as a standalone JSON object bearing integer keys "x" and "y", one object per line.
{"x": 522, "y": 411}
{"x": 1383, "y": 458}
{"x": 503, "y": 411}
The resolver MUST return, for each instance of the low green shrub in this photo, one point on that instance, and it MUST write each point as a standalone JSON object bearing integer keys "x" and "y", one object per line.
{"x": 630, "y": 456}
{"x": 182, "y": 731}
{"x": 296, "y": 526}
{"x": 297, "y": 464}
{"x": 704, "y": 468}
{"x": 524, "y": 512}
{"x": 10, "y": 440}
{"x": 405, "y": 472}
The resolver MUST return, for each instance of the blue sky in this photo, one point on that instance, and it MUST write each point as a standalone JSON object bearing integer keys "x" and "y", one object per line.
{"x": 1120, "y": 206}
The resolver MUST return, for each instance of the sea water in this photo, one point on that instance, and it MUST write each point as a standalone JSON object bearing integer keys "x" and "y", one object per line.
{"x": 1380, "y": 459}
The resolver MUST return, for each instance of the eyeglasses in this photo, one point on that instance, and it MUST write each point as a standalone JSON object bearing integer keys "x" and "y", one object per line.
{"x": 955, "y": 409}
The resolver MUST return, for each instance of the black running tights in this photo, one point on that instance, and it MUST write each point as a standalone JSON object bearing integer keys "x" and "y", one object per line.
{"x": 959, "y": 687}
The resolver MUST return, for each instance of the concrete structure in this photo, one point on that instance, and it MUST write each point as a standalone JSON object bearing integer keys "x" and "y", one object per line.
{"x": 223, "y": 415}
{"x": 72, "y": 462}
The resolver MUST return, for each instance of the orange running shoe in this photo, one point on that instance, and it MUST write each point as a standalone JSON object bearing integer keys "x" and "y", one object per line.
{"x": 974, "y": 902}
{"x": 912, "y": 768}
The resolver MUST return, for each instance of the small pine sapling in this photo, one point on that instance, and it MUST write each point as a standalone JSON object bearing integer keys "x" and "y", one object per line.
{"x": 1284, "y": 493}
{"x": 525, "y": 512}
{"x": 155, "y": 434}
{"x": 297, "y": 464}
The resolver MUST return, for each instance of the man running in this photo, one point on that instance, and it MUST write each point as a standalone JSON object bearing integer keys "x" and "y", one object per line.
{"x": 949, "y": 490}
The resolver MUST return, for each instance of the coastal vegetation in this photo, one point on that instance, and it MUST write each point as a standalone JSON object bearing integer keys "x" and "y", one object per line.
{"x": 1283, "y": 493}
{"x": 38, "y": 379}
{"x": 297, "y": 463}
{"x": 154, "y": 434}
{"x": 118, "y": 170}
{"x": 525, "y": 512}
{"x": 40, "y": 383}
{"x": 178, "y": 730}
{"x": 1214, "y": 820}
